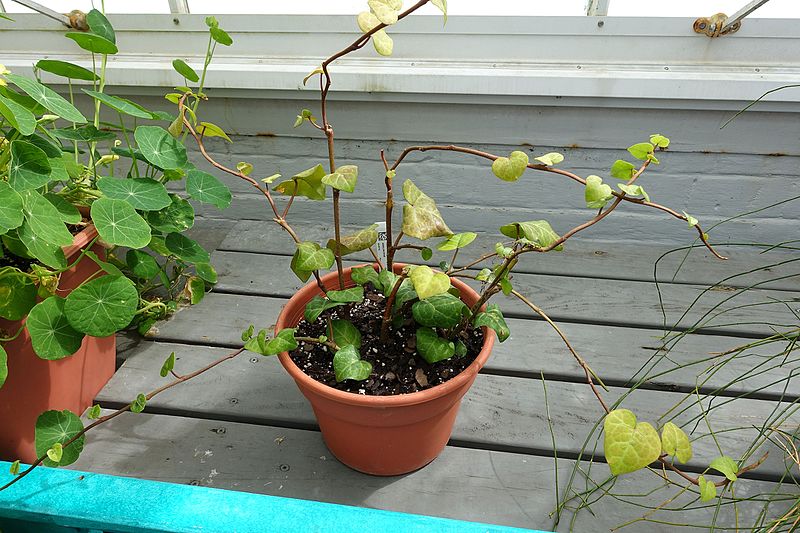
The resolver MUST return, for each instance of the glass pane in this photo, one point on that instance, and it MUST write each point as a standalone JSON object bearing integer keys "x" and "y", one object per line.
{"x": 351, "y": 7}
{"x": 701, "y": 8}
{"x": 112, "y": 6}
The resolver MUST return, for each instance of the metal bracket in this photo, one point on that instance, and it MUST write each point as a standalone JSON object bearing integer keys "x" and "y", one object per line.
{"x": 720, "y": 24}
{"x": 75, "y": 19}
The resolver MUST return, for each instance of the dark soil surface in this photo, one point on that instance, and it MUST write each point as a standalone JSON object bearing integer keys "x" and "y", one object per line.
{"x": 396, "y": 366}
{"x": 15, "y": 261}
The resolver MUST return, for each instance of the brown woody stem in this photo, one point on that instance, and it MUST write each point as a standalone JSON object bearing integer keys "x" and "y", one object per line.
{"x": 387, "y": 313}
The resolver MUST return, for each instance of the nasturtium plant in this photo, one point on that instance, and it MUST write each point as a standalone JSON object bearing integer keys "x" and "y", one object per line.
{"x": 59, "y": 427}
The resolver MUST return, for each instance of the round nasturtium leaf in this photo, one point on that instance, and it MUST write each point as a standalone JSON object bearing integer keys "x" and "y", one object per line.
{"x": 102, "y": 306}
{"x": 51, "y": 335}
{"x": 17, "y": 294}
{"x": 206, "y": 188}
{"x": 142, "y": 264}
{"x": 177, "y": 216}
{"x": 142, "y": 193}
{"x": 185, "y": 248}
{"x": 10, "y": 208}
{"x": 45, "y": 219}
{"x": 48, "y": 254}
{"x": 206, "y": 271}
{"x": 29, "y": 167}
{"x": 68, "y": 212}
{"x": 118, "y": 223}
{"x": 159, "y": 147}
{"x": 3, "y": 366}
{"x": 58, "y": 427}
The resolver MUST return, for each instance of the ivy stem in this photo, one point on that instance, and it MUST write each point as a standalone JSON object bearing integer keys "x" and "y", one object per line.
{"x": 387, "y": 313}
{"x": 329, "y": 343}
{"x": 389, "y": 207}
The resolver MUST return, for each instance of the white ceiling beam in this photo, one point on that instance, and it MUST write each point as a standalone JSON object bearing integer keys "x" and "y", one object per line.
{"x": 597, "y": 8}
{"x": 179, "y": 6}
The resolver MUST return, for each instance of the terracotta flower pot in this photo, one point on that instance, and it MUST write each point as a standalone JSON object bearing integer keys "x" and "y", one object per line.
{"x": 35, "y": 385}
{"x": 382, "y": 435}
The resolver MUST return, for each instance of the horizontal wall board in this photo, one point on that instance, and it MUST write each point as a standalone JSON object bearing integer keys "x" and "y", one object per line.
{"x": 462, "y": 483}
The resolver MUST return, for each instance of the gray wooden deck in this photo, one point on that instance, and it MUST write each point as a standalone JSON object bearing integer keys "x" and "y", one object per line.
{"x": 246, "y": 427}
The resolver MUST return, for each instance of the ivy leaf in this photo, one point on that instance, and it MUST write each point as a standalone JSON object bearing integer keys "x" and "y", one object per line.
{"x": 461, "y": 348}
{"x": 17, "y": 293}
{"x": 168, "y": 366}
{"x": 345, "y": 333}
{"x": 308, "y": 183}
{"x": 347, "y": 364}
{"x": 493, "y": 319}
{"x": 404, "y": 294}
{"x": 14, "y": 469}
{"x": 142, "y": 264}
{"x": 689, "y": 218}
{"x": 48, "y": 98}
{"x": 49, "y": 254}
{"x": 244, "y": 167}
{"x": 344, "y": 178}
{"x": 553, "y": 158}
{"x": 177, "y": 216}
{"x": 29, "y": 167}
{"x": 365, "y": 274}
{"x": 55, "y": 453}
{"x": 367, "y": 21}
{"x": 641, "y": 150}
{"x": 634, "y": 190}
{"x": 387, "y": 280}
{"x": 421, "y": 217}
{"x": 597, "y": 193}
{"x": 121, "y": 105}
{"x": 102, "y": 306}
{"x": 316, "y": 306}
{"x": 248, "y": 333}
{"x": 11, "y": 215}
{"x": 206, "y": 188}
{"x": 185, "y": 249}
{"x": 440, "y": 311}
{"x": 459, "y": 240}
{"x": 142, "y": 193}
{"x": 442, "y": 5}
{"x": 708, "y": 490}
{"x": 353, "y": 294}
{"x": 537, "y": 233}
{"x": 118, "y": 223}
{"x": 284, "y": 341}
{"x": 385, "y": 10}
{"x": 52, "y": 337}
{"x": 66, "y": 69}
{"x": 138, "y": 405}
{"x": 512, "y": 167}
{"x": 659, "y": 140}
{"x": 58, "y": 427}
{"x": 622, "y": 170}
{"x": 310, "y": 256}
{"x": 675, "y": 442}
{"x": 3, "y": 366}
{"x": 629, "y": 446}
{"x": 44, "y": 219}
{"x": 426, "y": 253}
{"x": 432, "y": 347}
{"x": 20, "y": 118}
{"x": 428, "y": 283}
{"x": 207, "y": 129}
{"x": 355, "y": 242}
{"x": 726, "y": 466}
{"x": 99, "y": 25}
{"x": 94, "y": 412}
{"x": 185, "y": 70}
{"x": 160, "y": 148}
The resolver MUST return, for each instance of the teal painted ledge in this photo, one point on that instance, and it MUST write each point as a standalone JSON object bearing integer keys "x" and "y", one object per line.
{"x": 59, "y": 501}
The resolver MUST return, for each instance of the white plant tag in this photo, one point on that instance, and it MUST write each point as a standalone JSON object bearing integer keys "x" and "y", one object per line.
{"x": 382, "y": 246}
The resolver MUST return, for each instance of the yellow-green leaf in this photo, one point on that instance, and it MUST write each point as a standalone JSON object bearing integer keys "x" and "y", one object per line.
{"x": 675, "y": 442}
{"x": 708, "y": 491}
{"x": 207, "y": 129}
{"x": 512, "y": 167}
{"x": 428, "y": 283}
{"x": 553, "y": 158}
{"x": 629, "y": 446}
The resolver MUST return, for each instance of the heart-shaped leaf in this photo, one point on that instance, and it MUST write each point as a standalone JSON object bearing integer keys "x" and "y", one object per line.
{"x": 308, "y": 183}
{"x": 512, "y": 167}
{"x": 597, "y": 193}
{"x": 51, "y": 335}
{"x": 48, "y": 98}
{"x": 284, "y": 341}
{"x": 160, "y": 148}
{"x": 634, "y": 190}
{"x": 355, "y": 242}
{"x": 138, "y": 405}
{"x": 142, "y": 193}
{"x": 317, "y": 306}
{"x": 364, "y": 275}
{"x": 55, "y": 453}
{"x": 58, "y": 427}
{"x": 118, "y": 223}
{"x": 459, "y": 240}
{"x": 689, "y": 218}
{"x": 726, "y": 466}
{"x": 675, "y": 442}
{"x": 17, "y": 293}
{"x": 67, "y": 70}
{"x": 177, "y": 216}
{"x": 345, "y": 333}
{"x": 44, "y": 219}
{"x": 102, "y": 306}
{"x": 432, "y": 347}
{"x": 659, "y": 140}
{"x": 353, "y": 294}
{"x": 29, "y": 167}
{"x": 641, "y": 150}
{"x": 385, "y": 10}
{"x": 622, "y": 170}
{"x": 208, "y": 129}
{"x": 428, "y": 283}
{"x": 537, "y": 233}
{"x": 347, "y": 364}
{"x": 708, "y": 490}
{"x": 10, "y": 208}
{"x": 493, "y": 319}
{"x": 168, "y": 366}
{"x": 344, "y": 179}
{"x": 553, "y": 158}
{"x": 421, "y": 217}
{"x": 206, "y": 188}
{"x": 440, "y": 311}
{"x": 142, "y": 264}
{"x": 310, "y": 256}
{"x": 20, "y": 118}
{"x": 629, "y": 446}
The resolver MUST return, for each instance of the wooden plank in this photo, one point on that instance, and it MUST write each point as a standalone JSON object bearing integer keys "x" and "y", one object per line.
{"x": 608, "y": 302}
{"x": 499, "y": 412}
{"x": 58, "y": 497}
{"x": 617, "y": 354}
{"x": 468, "y": 484}
{"x": 581, "y": 258}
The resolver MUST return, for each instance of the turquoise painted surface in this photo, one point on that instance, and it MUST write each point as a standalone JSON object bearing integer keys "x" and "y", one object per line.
{"x": 60, "y": 501}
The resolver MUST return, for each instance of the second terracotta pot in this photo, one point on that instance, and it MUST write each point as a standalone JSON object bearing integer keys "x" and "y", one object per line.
{"x": 382, "y": 435}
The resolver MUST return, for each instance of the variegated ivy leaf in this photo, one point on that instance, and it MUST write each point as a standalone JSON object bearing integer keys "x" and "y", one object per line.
{"x": 344, "y": 178}
{"x": 367, "y": 21}
{"x": 347, "y": 364}
{"x": 442, "y": 5}
{"x": 675, "y": 442}
{"x": 316, "y": 306}
{"x": 380, "y": 40}
{"x": 421, "y": 217}
{"x": 385, "y": 10}
{"x": 308, "y": 183}
{"x": 708, "y": 490}
{"x": 440, "y": 311}
{"x": 428, "y": 283}
{"x": 597, "y": 193}
{"x": 345, "y": 333}
{"x": 432, "y": 347}
{"x": 629, "y": 446}
{"x": 493, "y": 319}
{"x": 622, "y": 170}
{"x": 659, "y": 140}
{"x": 634, "y": 190}
{"x": 284, "y": 341}
{"x": 512, "y": 167}
{"x": 537, "y": 233}
{"x": 353, "y": 294}
{"x": 726, "y": 466}
{"x": 459, "y": 240}
{"x": 310, "y": 256}
{"x": 355, "y": 242}
{"x": 690, "y": 219}
{"x": 550, "y": 159}
{"x": 364, "y": 275}
{"x": 641, "y": 150}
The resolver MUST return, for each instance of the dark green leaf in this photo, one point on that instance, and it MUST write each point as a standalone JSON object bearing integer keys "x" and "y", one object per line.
{"x": 102, "y": 306}
{"x": 20, "y": 118}
{"x": 92, "y": 43}
{"x": 99, "y": 25}
{"x": 345, "y": 333}
{"x": 51, "y": 335}
{"x": 142, "y": 264}
{"x": 48, "y": 98}
{"x": 44, "y": 219}
{"x": 85, "y": 133}
{"x": 426, "y": 253}
{"x": 10, "y": 208}
{"x": 364, "y": 275}
{"x": 432, "y": 347}
{"x": 29, "y": 167}
{"x": 186, "y": 249}
{"x": 316, "y": 306}
{"x": 49, "y": 254}
{"x": 347, "y": 364}
{"x": 142, "y": 193}
{"x": 440, "y": 311}
{"x": 206, "y": 272}
{"x": 121, "y": 105}
{"x": 177, "y": 216}
{"x": 67, "y": 70}
{"x": 118, "y": 223}
{"x": 493, "y": 319}
{"x": 17, "y": 293}
{"x": 354, "y": 294}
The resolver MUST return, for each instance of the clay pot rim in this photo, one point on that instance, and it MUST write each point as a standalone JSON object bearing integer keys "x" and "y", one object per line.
{"x": 80, "y": 240}
{"x": 308, "y": 291}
